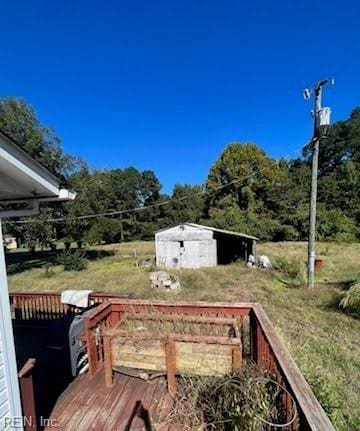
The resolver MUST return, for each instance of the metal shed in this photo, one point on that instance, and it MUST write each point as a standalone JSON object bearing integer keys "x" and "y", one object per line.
{"x": 191, "y": 245}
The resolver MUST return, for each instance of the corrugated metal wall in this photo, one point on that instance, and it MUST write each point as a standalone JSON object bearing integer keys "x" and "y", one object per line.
{"x": 185, "y": 247}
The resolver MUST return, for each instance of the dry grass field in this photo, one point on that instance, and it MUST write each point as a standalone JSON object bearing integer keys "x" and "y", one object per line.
{"x": 322, "y": 339}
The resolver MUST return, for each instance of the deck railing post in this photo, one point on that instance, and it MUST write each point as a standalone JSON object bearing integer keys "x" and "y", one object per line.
{"x": 27, "y": 395}
{"x": 254, "y": 334}
{"x": 170, "y": 358}
{"x": 91, "y": 348}
{"x": 107, "y": 361}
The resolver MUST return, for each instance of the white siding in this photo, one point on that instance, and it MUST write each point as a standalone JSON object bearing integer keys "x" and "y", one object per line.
{"x": 10, "y": 405}
{"x": 4, "y": 395}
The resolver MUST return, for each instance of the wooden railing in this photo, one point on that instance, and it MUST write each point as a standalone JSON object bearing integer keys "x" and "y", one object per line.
{"x": 47, "y": 305}
{"x": 259, "y": 339}
{"x": 27, "y": 395}
{"x": 257, "y": 333}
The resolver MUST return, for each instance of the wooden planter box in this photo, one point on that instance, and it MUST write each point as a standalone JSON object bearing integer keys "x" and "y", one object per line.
{"x": 175, "y": 352}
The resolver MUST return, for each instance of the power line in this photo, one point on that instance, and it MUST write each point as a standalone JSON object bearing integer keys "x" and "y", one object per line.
{"x": 146, "y": 207}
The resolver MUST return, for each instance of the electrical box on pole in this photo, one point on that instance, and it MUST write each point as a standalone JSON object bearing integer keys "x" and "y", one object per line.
{"x": 324, "y": 121}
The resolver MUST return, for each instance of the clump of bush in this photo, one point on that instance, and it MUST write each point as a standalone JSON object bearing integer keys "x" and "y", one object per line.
{"x": 239, "y": 401}
{"x": 350, "y": 302}
{"x": 49, "y": 271}
{"x": 328, "y": 391}
{"x": 293, "y": 271}
{"x": 333, "y": 224}
{"x": 72, "y": 260}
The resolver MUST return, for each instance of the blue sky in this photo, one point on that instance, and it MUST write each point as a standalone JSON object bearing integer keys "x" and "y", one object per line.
{"x": 165, "y": 85}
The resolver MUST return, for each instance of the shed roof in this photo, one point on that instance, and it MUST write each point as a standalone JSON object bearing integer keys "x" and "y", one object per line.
{"x": 214, "y": 229}
{"x": 22, "y": 177}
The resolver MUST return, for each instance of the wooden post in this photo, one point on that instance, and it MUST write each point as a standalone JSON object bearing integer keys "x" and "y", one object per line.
{"x": 236, "y": 358}
{"x": 91, "y": 349}
{"x": 27, "y": 395}
{"x": 170, "y": 358}
{"x": 107, "y": 361}
{"x": 254, "y": 333}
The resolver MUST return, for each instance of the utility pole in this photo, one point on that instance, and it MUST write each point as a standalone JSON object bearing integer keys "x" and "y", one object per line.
{"x": 321, "y": 124}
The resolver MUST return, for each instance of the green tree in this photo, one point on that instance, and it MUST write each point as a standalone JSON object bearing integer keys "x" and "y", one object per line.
{"x": 95, "y": 195}
{"x": 339, "y": 167}
{"x": 105, "y": 230}
{"x": 39, "y": 232}
{"x": 241, "y": 176}
{"x": 239, "y": 188}
{"x": 19, "y": 120}
{"x": 187, "y": 204}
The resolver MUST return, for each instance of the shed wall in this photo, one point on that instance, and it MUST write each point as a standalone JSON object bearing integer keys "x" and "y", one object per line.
{"x": 183, "y": 232}
{"x": 185, "y": 247}
{"x": 193, "y": 254}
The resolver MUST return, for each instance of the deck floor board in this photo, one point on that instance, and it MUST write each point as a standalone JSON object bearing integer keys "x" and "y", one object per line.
{"x": 88, "y": 405}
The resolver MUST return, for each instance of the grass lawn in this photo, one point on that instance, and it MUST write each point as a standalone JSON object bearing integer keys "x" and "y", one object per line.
{"x": 323, "y": 340}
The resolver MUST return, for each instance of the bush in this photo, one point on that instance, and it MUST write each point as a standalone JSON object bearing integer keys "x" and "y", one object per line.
{"x": 239, "y": 399}
{"x": 333, "y": 224}
{"x": 350, "y": 302}
{"x": 286, "y": 233}
{"x": 49, "y": 271}
{"x": 72, "y": 260}
{"x": 294, "y": 271}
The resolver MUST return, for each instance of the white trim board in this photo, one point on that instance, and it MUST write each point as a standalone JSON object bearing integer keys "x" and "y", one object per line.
{"x": 7, "y": 343}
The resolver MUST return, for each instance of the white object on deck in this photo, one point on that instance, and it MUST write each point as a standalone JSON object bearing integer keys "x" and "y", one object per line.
{"x": 78, "y": 298}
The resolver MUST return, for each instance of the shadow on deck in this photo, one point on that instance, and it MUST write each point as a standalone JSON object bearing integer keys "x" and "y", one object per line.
{"x": 47, "y": 342}
{"x": 130, "y": 404}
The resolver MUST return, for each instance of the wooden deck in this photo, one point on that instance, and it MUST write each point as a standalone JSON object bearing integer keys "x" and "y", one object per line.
{"x": 131, "y": 404}
{"x": 88, "y": 405}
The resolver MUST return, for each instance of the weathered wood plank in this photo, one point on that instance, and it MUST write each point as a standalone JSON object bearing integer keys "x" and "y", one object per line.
{"x": 313, "y": 417}
{"x": 171, "y": 366}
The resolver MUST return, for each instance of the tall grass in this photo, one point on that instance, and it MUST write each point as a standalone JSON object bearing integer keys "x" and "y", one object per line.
{"x": 350, "y": 302}
{"x": 292, "y": 271}
{"x": 323, "y": 341}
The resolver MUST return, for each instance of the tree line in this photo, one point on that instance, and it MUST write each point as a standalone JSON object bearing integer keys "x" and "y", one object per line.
{"x": 246, "y": 190}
